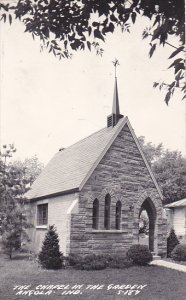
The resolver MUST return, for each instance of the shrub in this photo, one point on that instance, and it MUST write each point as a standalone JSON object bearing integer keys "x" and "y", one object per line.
{"x": 50, "y": 257}
{"x": 119, "y": 262}
{"x": 139, "y": 254}
{"x": 99, "y": 262}
{"x": 172, "y": 242}
{"x": 73, "y": 259}
{"x": 179, "y": 252}
{"x": 11, "y": 242}
{"x": 90, "y": 262}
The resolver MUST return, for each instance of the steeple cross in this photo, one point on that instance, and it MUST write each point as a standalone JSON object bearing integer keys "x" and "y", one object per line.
{"x": 115, "y": 63}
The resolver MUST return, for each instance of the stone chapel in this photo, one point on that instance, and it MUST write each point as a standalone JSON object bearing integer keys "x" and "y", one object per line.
{"x": 94, "y": 192}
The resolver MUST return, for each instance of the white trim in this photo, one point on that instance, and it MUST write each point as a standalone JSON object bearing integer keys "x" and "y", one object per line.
{"x": 106, "y": 231}
{"x": 41, "y": 226}
{"x": 44, "y": 201}
{"x": 72, "y": 207}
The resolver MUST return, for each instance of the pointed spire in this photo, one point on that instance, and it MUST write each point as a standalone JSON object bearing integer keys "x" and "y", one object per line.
{"x": 113, "y": 119}
{"x": 115, "y": 106}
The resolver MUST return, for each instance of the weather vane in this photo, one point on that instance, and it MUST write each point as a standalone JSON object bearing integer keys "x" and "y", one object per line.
{"x": 115, "y": 63}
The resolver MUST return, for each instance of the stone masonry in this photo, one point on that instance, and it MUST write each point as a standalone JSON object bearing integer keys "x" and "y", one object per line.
{"x": 122, "y": 173}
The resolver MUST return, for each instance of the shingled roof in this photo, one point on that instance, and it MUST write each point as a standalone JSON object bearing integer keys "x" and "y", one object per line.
{"x": 180, "y": 203}
{"x": 71, "y": 167}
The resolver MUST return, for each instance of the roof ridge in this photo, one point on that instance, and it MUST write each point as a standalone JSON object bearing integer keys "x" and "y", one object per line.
{"x": 94, "y": 133}
{"x": 118, "y": 127}
{"x": 67, "y": 169}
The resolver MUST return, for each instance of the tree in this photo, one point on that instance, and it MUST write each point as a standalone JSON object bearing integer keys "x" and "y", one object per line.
{"x": 68, "y": 25}
{"x": 152, "y": 152}
{"x": 169, "y": 168}
{"x": 14, "y": 183}
{"x": 13, "y": 188}
{"x": 50, "y": 257}
{"x": 13, "y": 229}
{"x": 170, "y": 171}
{"x": 30, "y": 167}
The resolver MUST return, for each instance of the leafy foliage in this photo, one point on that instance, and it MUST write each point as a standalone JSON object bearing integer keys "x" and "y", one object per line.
{"x": 50, "y": 256}
{"x": 152, "y": 152}
{"x": 99, "y": 262}
{"x": 119, "y": 262}
{"x": 169, "y": 168}
{"x": 15, "y": 180}
{"x": 30, "y": 168}
{"x": 88, "y": 262}
{"x": 172, "y": 242}
{"x": 170, "y": 171}
{"x": 65, "y": 26}
{"x": 139, "y": 254}
{"x": 179, "y": 253}
{"x": 13, "y": 222}
{"x": 12, "y": 228}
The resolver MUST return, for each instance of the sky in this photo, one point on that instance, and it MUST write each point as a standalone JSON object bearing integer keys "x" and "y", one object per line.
{"x": 47, "y": 104}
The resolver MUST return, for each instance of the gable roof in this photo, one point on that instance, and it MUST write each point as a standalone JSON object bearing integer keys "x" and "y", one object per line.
{"x": 70, "y": 168}
{"x": 175, "y": 204}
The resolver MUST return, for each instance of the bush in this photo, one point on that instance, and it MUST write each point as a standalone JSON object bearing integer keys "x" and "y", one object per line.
{"x": 119, "y": 262}
{"x": 11, "y": 242}
{"x": 88, "y": 262}
{"x": 73, "y": 259}
{"x": 99, "y": 262}
{"x": 172, "y": 242}
{"x": 50, "y": 257}
{"x": 179, "y": 252}
{"x": 139, "y": 254}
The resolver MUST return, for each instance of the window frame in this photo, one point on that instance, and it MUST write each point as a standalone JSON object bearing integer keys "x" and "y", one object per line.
{"x": 107, "y": 212}
{"x": 118, "y": 215}
{"x": 95, "y": 214}
{"x": 42, "y": 214}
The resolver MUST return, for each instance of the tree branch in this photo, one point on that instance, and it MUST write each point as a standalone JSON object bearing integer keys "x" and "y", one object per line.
{"x": 167, "y": 43}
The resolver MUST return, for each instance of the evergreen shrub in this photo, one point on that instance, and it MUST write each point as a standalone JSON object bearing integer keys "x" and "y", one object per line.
{"x": 50, "y": 256}
{"x": 172, "y": 242}
{"x": 119, "y": 262}
{"x": 99, "y": 261}
{"x": 139, "y": 254}
{"x": 179, "y": 252}
{"x": 11, "y": 241}
{"x": 91, "y": 262}
{"x": 73, "y": 259}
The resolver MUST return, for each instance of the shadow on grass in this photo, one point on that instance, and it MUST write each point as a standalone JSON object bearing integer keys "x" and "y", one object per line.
{"x": 21, "y": 257}
{"x": 17, "y": 256}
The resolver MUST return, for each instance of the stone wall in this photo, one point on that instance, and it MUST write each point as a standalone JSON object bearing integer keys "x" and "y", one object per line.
{"x": 123, "y": 174}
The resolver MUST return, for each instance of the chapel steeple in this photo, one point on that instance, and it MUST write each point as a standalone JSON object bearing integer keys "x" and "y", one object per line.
{"x": 113, "y": 119}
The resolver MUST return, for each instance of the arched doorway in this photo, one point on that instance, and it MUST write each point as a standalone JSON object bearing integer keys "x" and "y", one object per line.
{"x": 148, "y": 210}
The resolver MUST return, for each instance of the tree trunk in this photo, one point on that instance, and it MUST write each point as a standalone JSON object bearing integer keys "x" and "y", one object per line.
{"x": 10, "y": 253}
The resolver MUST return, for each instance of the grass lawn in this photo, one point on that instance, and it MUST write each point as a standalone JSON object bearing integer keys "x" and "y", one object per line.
{"x": 162, "y": 283}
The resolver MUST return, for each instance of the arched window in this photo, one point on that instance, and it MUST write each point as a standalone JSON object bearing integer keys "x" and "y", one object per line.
{"x": 118, "y": 215}
{"x": 107, "y": 212}
{"x": 95, "y": 214}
